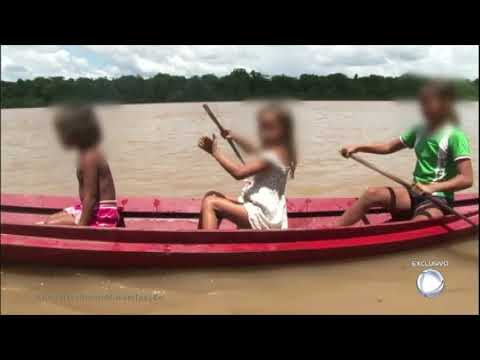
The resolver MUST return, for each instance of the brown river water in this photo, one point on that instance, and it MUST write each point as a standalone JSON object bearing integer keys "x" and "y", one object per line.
{"x": 152, "y": 151}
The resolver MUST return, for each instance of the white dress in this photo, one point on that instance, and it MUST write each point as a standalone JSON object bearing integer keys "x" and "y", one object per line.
{"x": 264, "y": 196}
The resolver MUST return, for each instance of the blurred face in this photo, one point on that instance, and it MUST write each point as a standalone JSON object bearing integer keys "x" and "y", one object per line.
{"x": 434, "y": 108}
{"x": 270, "y": 130}
{"x": 63, "y": 138}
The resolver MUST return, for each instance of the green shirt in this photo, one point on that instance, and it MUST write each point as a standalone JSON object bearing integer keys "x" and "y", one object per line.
{"x": 437, "y": 153}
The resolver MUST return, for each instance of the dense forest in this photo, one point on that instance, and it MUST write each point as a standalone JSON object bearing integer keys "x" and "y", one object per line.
{"x": 238, "y": 85}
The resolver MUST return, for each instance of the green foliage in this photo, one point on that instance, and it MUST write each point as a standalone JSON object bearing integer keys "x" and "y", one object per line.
{"x": 238, "y": 85}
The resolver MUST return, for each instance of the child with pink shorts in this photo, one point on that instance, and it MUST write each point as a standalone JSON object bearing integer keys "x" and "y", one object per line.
{"x": 78, "y": 128}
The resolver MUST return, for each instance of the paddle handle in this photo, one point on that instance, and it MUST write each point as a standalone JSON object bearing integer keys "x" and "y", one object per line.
{"x": 222, "y": 129}
{"x": 410, "y": 188}
{"x": 447, "y": 208}
{"x": 384, "y": 173}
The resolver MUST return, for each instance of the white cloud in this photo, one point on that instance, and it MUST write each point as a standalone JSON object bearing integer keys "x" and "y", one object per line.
{"x": 31, "y": 61}
{"x": 112, "y": 61}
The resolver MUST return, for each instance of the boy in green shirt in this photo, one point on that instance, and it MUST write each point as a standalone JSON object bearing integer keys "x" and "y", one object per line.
{"x": 437, "y": 154}
{"x": 443, "y": 161}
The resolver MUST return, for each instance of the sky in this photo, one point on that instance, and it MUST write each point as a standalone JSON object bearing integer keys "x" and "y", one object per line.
{"x": 93, "y": 61}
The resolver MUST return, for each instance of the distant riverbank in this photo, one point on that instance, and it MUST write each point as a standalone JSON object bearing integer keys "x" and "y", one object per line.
{"x": 239, "y": 85}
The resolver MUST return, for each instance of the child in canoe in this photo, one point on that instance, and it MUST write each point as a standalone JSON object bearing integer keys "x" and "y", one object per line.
{"x": 262, "y": 203}
{"x": 77, "y": 128}
{"x": 443, "y": 160}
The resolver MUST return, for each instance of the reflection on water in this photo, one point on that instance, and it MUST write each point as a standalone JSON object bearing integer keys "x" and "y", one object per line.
{"x": 152, "y": 151}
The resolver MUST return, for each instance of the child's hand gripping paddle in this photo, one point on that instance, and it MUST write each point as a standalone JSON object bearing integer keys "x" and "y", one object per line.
{"x": 222, "y": 130}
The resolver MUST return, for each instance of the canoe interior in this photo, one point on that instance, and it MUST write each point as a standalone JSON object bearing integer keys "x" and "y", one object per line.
{"x": 162, "y": 232}
{"x": 153, "y": 223}
{"x": 182, "y": 214}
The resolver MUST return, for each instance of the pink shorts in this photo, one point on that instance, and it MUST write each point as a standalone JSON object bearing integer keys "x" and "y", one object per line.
{"x": 106, "y": 214}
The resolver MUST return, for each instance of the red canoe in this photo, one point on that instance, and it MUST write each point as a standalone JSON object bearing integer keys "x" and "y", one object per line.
{"x": 162, "y": 232}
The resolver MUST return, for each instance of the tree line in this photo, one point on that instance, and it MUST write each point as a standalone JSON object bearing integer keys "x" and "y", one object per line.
{"x": 236, "y": 86}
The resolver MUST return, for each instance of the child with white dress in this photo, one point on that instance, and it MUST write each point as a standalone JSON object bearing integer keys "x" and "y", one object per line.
{"x": 262, "y": 204}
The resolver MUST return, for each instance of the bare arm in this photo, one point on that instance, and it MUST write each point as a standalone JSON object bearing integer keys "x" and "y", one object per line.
{"x": 389, "y": 147}
{"x": 462, "y": 181}
{"x": 237, "y": 171}
{"x": 90, "y": 189}
{"x": 243, "y": 142}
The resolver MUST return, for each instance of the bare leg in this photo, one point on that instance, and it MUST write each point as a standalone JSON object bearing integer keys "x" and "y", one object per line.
{"x": 394, "y": 199}
{"x": 427, "y": 211}
{"x": 210, "y": 194}
{"x": 216, "y": 206}
{"x": 60, "y": 218}
{"x": 51, "y": 218}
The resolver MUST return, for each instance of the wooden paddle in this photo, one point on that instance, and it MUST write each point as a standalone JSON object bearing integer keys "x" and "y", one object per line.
{"x": 222, "y": 129}
{"x": 410, "y": 188}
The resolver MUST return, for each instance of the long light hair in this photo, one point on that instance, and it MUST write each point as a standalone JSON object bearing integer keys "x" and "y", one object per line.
{"x": 287, "y": 121}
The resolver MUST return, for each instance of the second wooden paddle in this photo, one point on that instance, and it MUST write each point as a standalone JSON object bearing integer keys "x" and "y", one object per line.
{"x": 410, "y": 188}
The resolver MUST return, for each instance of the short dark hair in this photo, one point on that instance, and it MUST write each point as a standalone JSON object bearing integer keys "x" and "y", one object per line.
{"x": 78, "y": 125}
{"x": 442, "y": 88}
{"x": 445, "y": 90}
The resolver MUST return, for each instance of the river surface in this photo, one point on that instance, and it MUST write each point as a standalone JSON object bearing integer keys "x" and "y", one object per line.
{"x": 152, "y": 151}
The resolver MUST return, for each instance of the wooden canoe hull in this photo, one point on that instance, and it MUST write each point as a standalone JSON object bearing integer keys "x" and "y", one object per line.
{"x": 165, "y": 236}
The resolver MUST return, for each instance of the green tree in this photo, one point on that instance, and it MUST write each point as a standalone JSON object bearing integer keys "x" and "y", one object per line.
{"x": 238, "y": 85}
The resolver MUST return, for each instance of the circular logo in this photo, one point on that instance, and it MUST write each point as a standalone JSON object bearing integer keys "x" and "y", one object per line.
{"x": 430, "y": 283}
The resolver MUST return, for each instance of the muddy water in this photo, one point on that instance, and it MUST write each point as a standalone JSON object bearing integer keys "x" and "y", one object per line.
{"x": 152, "y": 151}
